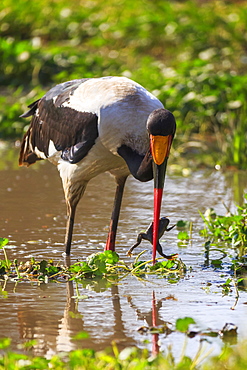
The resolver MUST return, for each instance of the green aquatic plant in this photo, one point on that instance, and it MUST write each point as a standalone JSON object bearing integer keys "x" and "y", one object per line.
{"x": 230, "y": 229}
{"x": 106, "y": 265}
{"x": 184, "y": 235}
{"x": 6, "y": 264}
{"x": 227, "y": 236}
{"x": 133, "y": 358}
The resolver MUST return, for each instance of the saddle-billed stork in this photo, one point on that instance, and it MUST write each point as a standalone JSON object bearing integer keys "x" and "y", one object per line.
{"x": 93, "y": 125}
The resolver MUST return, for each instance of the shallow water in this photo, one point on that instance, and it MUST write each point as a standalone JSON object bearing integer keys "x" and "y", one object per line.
{"x": 32, "y": 217}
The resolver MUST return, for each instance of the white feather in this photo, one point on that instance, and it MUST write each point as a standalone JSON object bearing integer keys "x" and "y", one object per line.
{"x": 39, "y": 153}
{"x": 122, "y": 107}
{"x": 51, "y": 149}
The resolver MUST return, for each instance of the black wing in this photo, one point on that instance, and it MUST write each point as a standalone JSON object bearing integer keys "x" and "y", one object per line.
{"x": 71, "y": 131}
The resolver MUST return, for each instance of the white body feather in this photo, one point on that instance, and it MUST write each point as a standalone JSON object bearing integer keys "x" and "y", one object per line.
{"x": 122, "y": 107}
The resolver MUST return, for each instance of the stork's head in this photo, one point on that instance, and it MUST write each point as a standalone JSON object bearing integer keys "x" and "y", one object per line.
{"x": 161, "y": 126}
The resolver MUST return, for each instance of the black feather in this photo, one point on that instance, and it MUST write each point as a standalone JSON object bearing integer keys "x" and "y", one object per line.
{"x": 72, "y": 132}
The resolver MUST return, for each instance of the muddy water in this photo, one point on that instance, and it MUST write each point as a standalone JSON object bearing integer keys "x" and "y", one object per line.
{"x": 32, "y": 216}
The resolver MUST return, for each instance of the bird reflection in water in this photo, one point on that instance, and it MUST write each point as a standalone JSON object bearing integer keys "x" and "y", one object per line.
{"x": 155, "y": 324}
{"x": 54, "y": 332}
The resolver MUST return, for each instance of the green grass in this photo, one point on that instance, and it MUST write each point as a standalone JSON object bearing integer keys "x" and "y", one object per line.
{"x": 128, "y": 359}
{"x": 227, "y": 235}
{"x": 229, "y": 230}
{"x": 191, "y": 54}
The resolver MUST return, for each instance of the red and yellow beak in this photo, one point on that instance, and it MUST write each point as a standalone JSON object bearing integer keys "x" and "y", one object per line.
{"x": 160, "y": 149}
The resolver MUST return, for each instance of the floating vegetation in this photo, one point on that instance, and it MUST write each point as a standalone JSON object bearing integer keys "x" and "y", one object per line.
{"x": 97, "y": 265}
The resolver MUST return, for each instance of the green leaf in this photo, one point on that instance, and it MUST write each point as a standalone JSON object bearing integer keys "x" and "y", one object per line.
{"x": 42, "y": 266}
{"x": 227, "y": 282}
{"x": 181, "y": 224}
{"x": 100, "y": 259}
{"x": 168, "y": 264}
{"x": 80, "y": 267}
{"x": 182, "y": 325}
{"x": 51, "y": 270}
{"x": 81, "y": 335}
{"x": 183, "y": 235}
{"x": 3, "y": 242}
{"x": 185, "y": 363}
{"x": 140, "y": 264}
{"x": 5, "y": 343}
{"x": 93, "y": 259}
{"x": 29, "y": 344}
{"x": 80, "y": 296}
{"x": 216, "y": 263}
{"x": 111, "y": 257}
